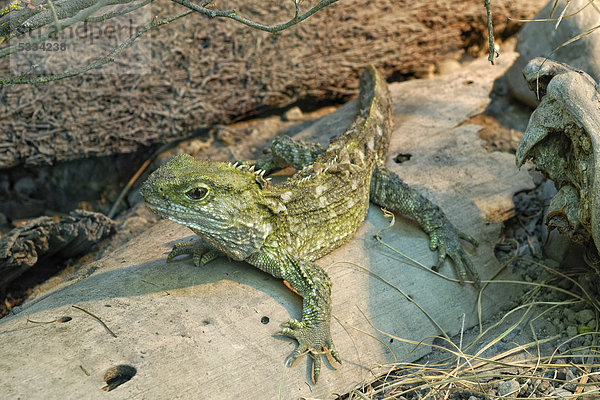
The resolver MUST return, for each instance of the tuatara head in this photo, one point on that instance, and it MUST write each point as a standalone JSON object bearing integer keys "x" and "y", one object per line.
{"x": 222, "y": 203}
{"x": 563, "y": 140}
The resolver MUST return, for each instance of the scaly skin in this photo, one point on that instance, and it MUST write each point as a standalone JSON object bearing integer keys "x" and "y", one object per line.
{"x": 283, "y": 228}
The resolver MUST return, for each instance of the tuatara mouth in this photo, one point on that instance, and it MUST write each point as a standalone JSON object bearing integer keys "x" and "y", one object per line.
{"x": 563, "y": 141}
{"x": 168, "y": 211}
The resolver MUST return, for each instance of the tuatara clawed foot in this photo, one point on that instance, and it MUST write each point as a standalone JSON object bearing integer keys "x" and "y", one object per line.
{"x": 390, "y": 192}
{"x": 446, "y": 240}
{"x": 201, "y": 254}
{"x": 313, "y": 339}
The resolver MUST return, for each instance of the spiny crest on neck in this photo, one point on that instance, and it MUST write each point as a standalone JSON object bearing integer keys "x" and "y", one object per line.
{"x": 259, "y": 173}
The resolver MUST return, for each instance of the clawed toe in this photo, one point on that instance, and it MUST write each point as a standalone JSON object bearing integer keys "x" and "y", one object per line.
{"x": 446, "y": 240}
{"x": 312, "y": 340}
{"x": 200, "y": 253}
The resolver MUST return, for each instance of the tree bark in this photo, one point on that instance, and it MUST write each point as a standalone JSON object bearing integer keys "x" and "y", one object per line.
{"x": 210, "y": 71}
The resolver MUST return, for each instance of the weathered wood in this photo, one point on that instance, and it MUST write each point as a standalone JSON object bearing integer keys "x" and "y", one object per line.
{"x": 216, "y": 71}
{"x": 69, "y": 236}
{"x": 208, "y": 332}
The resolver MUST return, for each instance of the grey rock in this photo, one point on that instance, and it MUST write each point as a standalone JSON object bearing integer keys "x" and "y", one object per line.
{"x": 584, "y": 316}
{"x": 558, "y": 324}
{"x": 562, "y": 394}
{"x": 539, "y": 39}
{"x": 572, "y": 331}
{"x": 569, "y": 315}
{"x": 507, "y": 388}
{"x": 570, "y": 377}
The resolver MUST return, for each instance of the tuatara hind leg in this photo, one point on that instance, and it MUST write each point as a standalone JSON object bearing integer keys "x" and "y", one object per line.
{"x": 390, "y": 192}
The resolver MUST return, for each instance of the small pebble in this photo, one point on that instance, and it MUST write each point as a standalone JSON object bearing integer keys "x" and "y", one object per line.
{"x": 293, "y": 114}
{"x": 544, "y": 386}
{"x": 117, "y": 375}
{"x": 447, "y": 67}
{"x": 571, "y": 331}
{"x": 592, "y": 324}
{"x": 558, "y": 324}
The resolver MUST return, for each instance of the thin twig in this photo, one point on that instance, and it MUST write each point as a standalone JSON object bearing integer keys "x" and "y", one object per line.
{"x": 68, "y": 22}
{"x": 54, "y": 17}
{"x": 127, "y": 10}
{"x": 97, "y": 319}
{"x": 492, "y": 49}
{"x": 98, "y": 63}
{"x": 232, "y": 14}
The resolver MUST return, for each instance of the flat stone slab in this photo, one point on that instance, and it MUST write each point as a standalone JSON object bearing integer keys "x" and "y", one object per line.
{"x": 209, "y": 332}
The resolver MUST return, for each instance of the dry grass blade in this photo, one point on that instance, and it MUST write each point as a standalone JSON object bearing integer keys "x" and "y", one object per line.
{"x": 575, "y": 38}
{"x": 532, "y": 374}
{"x": 415, "y": 381}
{"x": 406, "y": 296}
{"x": 390, "y": 215}
{"x": 562, "y": 14}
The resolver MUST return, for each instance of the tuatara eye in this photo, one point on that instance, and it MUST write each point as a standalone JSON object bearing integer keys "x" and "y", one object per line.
{"x": 197, "y": 193}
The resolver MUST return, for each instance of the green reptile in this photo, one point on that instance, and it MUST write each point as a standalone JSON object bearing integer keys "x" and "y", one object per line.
{"x": 282, "y": 228}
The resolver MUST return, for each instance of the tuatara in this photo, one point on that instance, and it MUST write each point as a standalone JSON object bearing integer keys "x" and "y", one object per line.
{"x": 282, "y": 228}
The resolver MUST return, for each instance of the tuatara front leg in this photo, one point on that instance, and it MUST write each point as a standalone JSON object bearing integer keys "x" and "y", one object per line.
{"x": 314, "y": 285}
{"x": 389, "y": 191}
{"x": 201, "y": 254}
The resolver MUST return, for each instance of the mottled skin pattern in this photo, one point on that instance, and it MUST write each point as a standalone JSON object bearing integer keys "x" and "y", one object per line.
{"x": 283, "y": 228}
